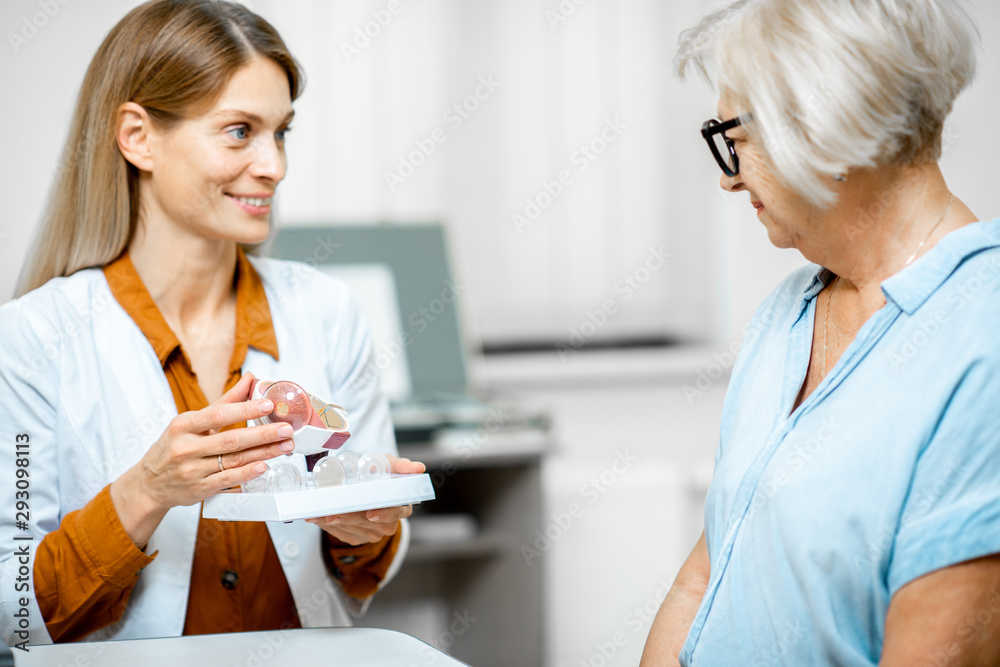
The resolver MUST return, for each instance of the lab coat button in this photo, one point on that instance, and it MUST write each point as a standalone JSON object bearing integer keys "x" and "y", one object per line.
{"x": 291, "y": 549}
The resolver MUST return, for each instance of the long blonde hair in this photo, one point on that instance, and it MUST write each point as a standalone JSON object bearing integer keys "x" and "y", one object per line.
{"x": 172, "y": 57}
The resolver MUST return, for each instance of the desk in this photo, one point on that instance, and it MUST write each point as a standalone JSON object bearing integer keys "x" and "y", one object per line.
{"x": 277, "y": 648}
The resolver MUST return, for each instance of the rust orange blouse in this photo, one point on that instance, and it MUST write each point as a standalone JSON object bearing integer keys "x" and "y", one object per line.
{"x": 86, "y": 569}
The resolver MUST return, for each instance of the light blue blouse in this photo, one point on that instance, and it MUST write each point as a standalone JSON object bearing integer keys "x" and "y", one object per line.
{"x": 889, "y": 470}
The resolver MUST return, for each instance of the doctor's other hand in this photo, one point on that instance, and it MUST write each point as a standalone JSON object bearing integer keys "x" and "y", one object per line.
{"x": 356, "y": 528}
{"x": 193, "y": 459}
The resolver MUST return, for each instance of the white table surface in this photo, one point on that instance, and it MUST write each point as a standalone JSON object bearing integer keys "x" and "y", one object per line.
{"x": 276, "y": 648}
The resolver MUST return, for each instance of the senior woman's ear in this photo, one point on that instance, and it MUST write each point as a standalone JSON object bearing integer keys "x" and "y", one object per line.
{"x": 134, "y": 134}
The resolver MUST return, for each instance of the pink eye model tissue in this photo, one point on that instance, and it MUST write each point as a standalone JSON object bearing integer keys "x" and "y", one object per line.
{"x": 319, "y": 426}
{"x": 291, "y": 405}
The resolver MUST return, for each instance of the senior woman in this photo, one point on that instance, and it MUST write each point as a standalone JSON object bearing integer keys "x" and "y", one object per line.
{"x": 854, "y": 515}
{"x": 126, "y": 366}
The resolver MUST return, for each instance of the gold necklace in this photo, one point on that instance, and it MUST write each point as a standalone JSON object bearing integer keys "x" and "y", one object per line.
{"x": 947, "y": 208}
{"x": 826, "y": 323}
{"x": 836, "y": 282}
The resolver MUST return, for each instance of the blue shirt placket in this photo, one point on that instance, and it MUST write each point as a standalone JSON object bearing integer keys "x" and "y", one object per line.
{"x": 800, "y": 346}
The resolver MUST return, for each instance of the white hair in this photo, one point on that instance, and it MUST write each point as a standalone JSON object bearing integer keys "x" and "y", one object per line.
{"x": 836, "y": 84}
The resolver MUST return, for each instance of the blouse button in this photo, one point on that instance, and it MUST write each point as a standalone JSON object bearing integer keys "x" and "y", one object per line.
{"x": 230, "y": 579}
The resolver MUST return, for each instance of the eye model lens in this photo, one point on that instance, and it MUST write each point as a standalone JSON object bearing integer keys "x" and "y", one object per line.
{"x": 291, "y": 405}
{"x": 329, "y": 472}
{"x": 257, "y": 484}
{"x": 349, "y": 460}
{"x": 372, "y": 467}
{"x": 284, "y": 477}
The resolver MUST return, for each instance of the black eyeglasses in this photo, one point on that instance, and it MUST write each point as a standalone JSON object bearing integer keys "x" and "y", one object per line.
{"x": 722, "y": 146}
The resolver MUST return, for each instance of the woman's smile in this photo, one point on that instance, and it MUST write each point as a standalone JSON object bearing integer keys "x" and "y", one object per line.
{"x": 257, "y": 204}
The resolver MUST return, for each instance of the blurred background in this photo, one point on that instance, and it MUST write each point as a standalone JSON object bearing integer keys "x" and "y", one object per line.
{"x": 575, "y": 292}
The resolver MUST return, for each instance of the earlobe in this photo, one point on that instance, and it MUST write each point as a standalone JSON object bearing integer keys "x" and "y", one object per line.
{"x": 133, "y": 134}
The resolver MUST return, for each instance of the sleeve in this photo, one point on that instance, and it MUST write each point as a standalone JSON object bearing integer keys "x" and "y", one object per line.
{"x": 952, "y": 510}
{"x": 360, "y": 569}
{"x": 29, "y": 492}
{"x": 49, "y": 571}
{"x": 85, "y": 571}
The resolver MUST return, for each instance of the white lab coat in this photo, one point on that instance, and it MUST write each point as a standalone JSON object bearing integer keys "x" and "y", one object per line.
{"x": 79, "y": 377}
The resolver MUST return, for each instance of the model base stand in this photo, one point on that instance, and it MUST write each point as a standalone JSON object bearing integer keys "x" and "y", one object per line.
{"x": 320, "y": 501}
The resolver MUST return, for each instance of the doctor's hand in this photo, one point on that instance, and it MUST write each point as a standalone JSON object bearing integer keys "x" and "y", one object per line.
{"x": 356, "y": 528}
{"x": 193, "y": 460}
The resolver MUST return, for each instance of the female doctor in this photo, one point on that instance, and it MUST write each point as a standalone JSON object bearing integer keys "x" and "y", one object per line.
{"x": 128, "y": 358}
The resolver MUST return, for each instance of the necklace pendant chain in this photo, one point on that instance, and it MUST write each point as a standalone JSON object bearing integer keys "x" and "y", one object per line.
{"x": 836, "y": 282}
{"x": 826, "y": 322}
{"x": 944, "y": 215}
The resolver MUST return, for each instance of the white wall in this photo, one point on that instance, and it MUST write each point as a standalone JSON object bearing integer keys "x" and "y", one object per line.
{"x": 559, "y": 82}
{"x": 39, "y": 80}
{"x": 559, "y": 85}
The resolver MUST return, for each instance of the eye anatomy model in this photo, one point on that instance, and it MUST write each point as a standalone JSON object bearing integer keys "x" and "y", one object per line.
{"x": 327, "y": 481}
{"x": 319, "y": 427}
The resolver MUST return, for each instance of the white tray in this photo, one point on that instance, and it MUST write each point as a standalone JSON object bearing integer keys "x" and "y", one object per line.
{"x": 307, "y": 503}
